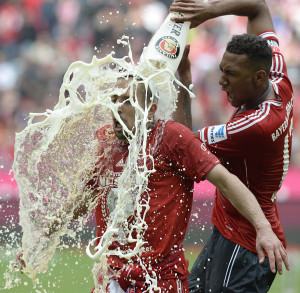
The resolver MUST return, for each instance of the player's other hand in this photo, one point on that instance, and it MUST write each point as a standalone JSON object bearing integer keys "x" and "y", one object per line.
{"x": 267, "y": 241}
{"x": 194, "y": 11}
{"x": 19, "y": 262}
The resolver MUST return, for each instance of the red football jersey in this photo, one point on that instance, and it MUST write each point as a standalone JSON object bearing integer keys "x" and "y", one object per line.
{"x": 255, "y": 145}
{"x": 170, "y": 187}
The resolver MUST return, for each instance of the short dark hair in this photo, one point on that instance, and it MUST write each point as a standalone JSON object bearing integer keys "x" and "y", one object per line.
{"x": 255, "y": 47}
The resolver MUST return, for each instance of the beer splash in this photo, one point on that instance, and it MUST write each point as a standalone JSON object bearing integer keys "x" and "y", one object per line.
{"x": 54, "y": 160}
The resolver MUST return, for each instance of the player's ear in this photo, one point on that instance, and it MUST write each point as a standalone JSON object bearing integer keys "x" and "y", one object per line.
{"x": 152, "y": 111}
{"x": 259, "y": 77}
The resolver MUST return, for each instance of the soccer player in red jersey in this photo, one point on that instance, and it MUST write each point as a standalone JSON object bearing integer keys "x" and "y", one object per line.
{"x": 170, "y": 189}
{"x": 255, "y": 145}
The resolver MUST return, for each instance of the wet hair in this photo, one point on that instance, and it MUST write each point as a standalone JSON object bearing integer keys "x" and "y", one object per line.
{"x": 256, "y": 48}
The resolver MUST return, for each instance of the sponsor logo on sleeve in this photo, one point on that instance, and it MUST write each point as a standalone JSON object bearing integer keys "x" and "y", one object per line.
{"x": 216, "y": 133}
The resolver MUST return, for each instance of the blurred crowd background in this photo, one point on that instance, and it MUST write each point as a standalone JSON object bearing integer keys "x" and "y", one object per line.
{"x": 39, "y": 39}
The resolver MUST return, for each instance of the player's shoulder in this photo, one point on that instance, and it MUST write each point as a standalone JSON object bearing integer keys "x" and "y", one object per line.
{"x": 250, "y": 121}
{"x": 174, "y": 133}
{"x": 175, "y": 127}
{"x": 260, "y": 121}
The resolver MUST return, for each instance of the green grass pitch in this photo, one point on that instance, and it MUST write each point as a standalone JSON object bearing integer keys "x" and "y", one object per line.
{"x": 70, "y": 271}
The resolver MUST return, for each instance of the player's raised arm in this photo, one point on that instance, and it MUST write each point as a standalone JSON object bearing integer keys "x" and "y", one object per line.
{"x": 198, "y": 11}
{"x": 183, "y": 113}
{"x": 245, "y": 202}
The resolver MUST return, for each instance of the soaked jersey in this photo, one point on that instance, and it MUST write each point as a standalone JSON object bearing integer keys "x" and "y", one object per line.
{"x": 170, "y": 187}
{"x": 255, "y": 145}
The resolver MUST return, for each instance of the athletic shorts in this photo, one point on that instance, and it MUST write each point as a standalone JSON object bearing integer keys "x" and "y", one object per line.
{"x": 223, "y": 266}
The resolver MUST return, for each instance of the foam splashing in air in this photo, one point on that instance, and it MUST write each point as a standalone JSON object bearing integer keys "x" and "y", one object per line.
{"x": 55, "y": 159}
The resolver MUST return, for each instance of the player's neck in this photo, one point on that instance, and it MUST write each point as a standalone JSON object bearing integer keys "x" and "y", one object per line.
{"x": 258, "y": 101}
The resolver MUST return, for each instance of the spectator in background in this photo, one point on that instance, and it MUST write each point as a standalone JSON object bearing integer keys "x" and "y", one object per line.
{"x": 12, "y": 20}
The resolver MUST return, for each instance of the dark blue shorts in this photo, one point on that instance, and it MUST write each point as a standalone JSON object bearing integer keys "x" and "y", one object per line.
{"x": 223, "y": 266}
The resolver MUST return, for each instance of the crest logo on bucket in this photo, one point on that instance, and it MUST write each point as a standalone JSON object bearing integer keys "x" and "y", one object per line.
{"x": 168, "y": 46}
